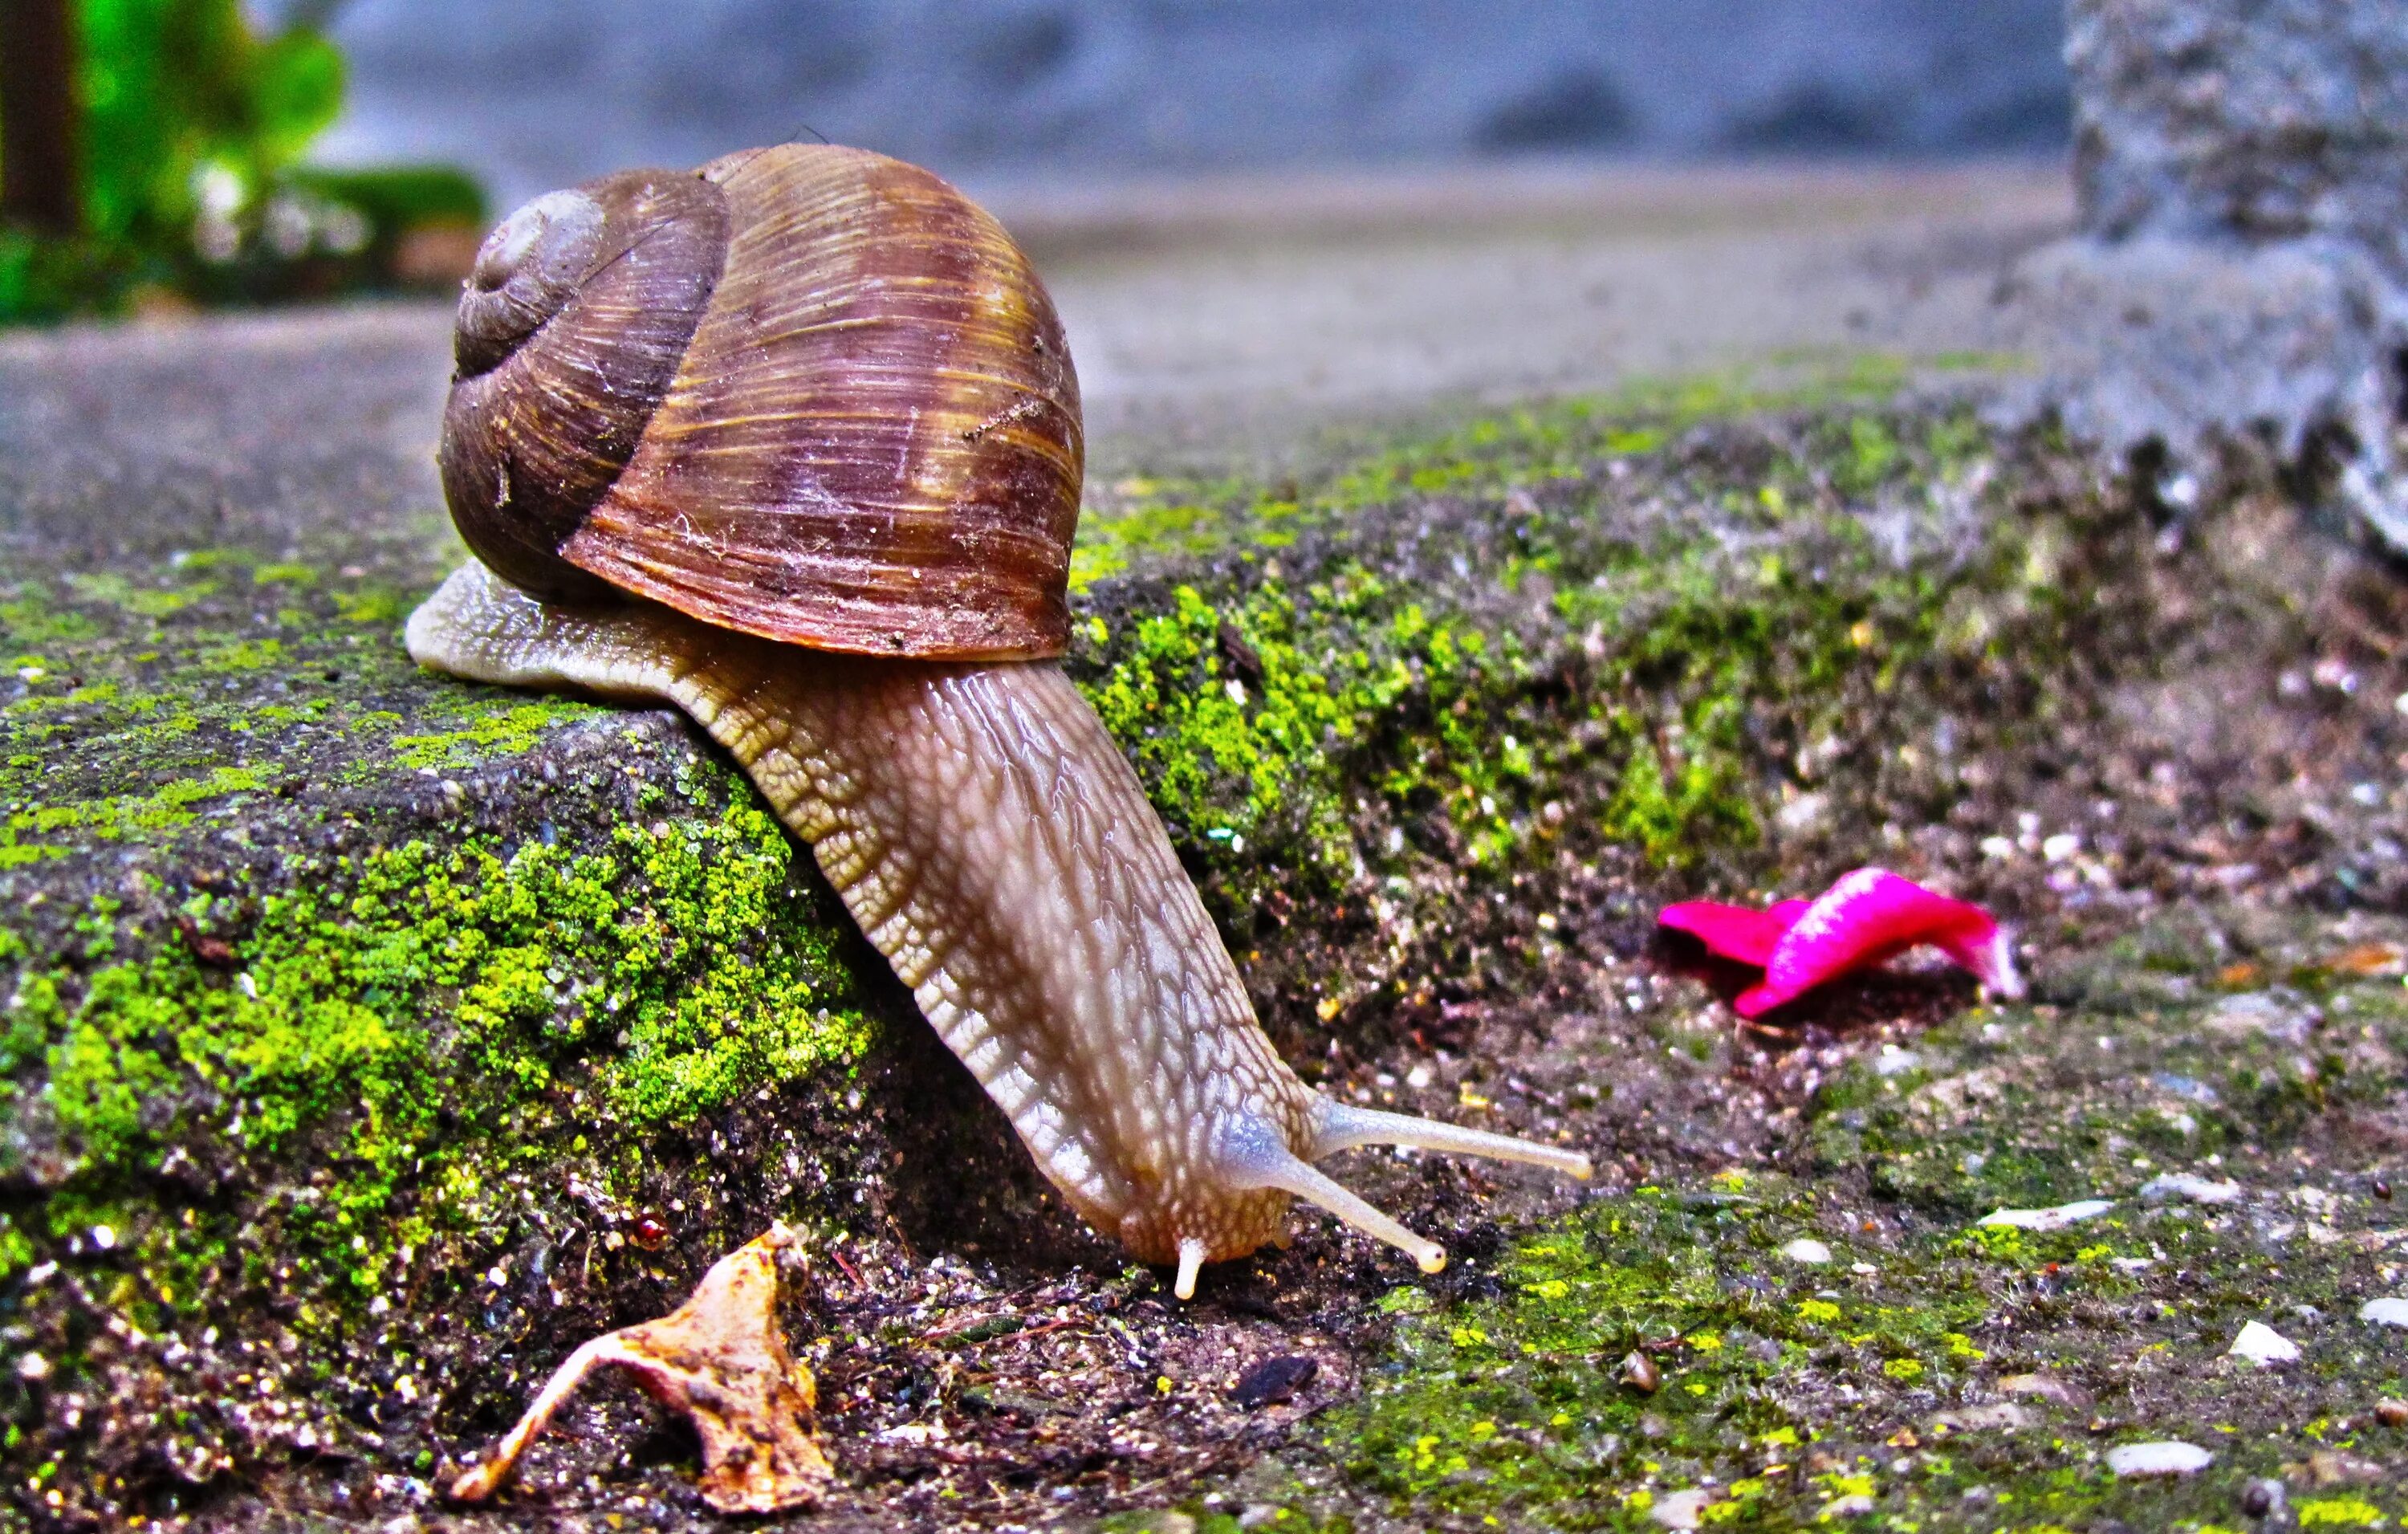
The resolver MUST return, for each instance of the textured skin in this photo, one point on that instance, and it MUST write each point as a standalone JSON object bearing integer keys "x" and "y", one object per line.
{"x": 992, "y": 842}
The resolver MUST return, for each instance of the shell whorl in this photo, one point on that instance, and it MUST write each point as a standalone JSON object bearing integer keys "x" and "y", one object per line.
{"x": 571, "y": 328}
{"x": 806, "y": 393}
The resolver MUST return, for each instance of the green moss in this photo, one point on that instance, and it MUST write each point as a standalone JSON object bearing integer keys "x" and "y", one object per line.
{"x": 2340, "y": 1513}
{"x": 1647, "y": 684}
{"x": 508, "y": 726}
{"x": 30, "y": 834}
{"x": 1794, "y": 1395}
{"x": 370, "y": 605}
{"x": 152, "y": 682}
{"x": 1142, "y": 521}
{"x": 665, "y": 976}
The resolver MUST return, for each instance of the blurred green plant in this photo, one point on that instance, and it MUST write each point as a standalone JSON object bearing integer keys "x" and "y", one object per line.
{"x": 189, "y": 124}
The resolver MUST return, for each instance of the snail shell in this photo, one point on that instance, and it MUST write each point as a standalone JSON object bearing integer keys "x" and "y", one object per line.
{"x": 808, "y": 393}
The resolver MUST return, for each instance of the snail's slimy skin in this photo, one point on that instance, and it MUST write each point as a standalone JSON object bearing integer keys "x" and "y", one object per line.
{"x": 994, "y": 844}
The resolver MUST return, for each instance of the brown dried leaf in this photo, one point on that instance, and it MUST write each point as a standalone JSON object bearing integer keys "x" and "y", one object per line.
{"x": 722, "y": 1360}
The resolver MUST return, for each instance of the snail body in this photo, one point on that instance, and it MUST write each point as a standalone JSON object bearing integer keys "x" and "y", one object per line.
{"x": 834, "y": 528}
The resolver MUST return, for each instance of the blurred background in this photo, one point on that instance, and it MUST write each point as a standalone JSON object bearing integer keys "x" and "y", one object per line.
{"x": 156, "y": 151}
{"x": 534, "y": 95}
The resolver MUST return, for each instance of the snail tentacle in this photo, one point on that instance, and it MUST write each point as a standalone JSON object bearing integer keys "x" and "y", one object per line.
{"x": 1253, "y": 1155}
{"x": 1338, "y": 1127}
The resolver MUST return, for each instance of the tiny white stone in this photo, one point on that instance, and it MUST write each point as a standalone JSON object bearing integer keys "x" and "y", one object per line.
{"x": 1682, "y": 1508}
{"x": 1863, "y": 1270}
{"x": 103, "y": 1237}
{"x": 2170, "y": 1456}
{"x": 1970, "y": 1419}
{"x": 2262, "y": 1345}
{"x": 2061, "y": 846}
{"x": 1802, "y": 813}
{"x": 1894, "y": 1061}
{"x": 2391, "y": 1310}
{"x": 1806, "y": 1249}
{"x": 2049, "y": 1219}
{"x": 2197, "y": 1189}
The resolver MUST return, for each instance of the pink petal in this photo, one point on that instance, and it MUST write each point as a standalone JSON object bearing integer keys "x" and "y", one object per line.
{"x": 1733, "y": 932}
{"x": 1872, "y": 915}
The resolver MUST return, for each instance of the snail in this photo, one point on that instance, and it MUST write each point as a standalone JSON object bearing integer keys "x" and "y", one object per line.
{"x": 792, "y": 442}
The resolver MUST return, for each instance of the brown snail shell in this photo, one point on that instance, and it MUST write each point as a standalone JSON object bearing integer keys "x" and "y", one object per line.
{"x": 808, "y": 393}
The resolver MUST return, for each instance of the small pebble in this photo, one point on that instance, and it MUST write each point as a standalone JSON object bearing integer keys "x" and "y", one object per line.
{"x": 2263, "y": 1345}
{"x": 1639, "y": 1373}
{"x": 2056, "y": 1218}
{"x": 1273, "y": 1381}
{"x": 2198, "y": 1190}
{"x": 2391, "y": 1412}
{"x": 2169, "y": 1456}
{"x": 2047, "y": 1387}
{"x": 2332, "y": 1467}
{"x": 1680, "y": 1508}
{"x": 2382, "y": 1190}
{"x": 2262, "y": 1498}
{"x": 1807, "y": 1250}
{"x": 1970, "y": 1419}
{"x": 2391, "y": 1310}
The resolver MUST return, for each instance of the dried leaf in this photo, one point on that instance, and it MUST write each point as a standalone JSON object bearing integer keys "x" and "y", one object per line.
{"x": 722, "y": 1360}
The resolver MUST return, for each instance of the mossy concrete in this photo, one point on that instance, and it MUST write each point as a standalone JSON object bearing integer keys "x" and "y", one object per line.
{"x": 372, "y": 1038}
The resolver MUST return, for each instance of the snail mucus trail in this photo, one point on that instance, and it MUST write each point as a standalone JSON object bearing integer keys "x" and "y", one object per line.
{"x": 792, "y": 442}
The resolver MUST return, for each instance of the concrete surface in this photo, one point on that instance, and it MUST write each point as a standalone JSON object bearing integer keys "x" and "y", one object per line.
{"x": 2241, "y": 269}
{"x": 1226, "y": 324}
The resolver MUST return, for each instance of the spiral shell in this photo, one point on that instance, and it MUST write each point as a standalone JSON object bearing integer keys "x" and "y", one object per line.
{"x": 808, "y": 393}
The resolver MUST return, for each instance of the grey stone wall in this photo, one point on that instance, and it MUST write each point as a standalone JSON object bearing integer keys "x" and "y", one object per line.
{"x": 2242, "y": 120}
{"x": 2242, "y": 169}
{"x": 543, "y": 91}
